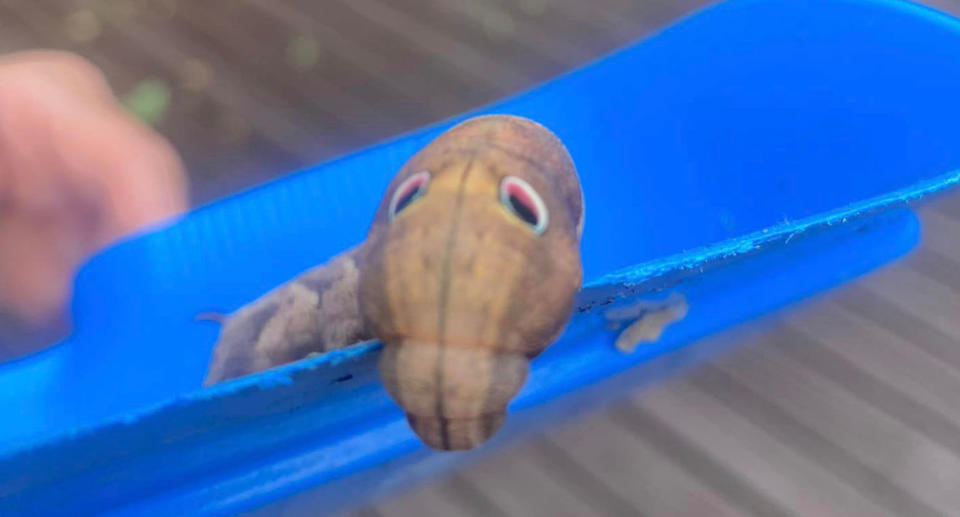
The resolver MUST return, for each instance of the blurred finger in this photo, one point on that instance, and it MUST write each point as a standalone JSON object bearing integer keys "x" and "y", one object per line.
{"x": 66, "y": 70}
{"x": 138, "y": 178}
{"x": 92, "y": 150}
{"x": 76, "y": 172}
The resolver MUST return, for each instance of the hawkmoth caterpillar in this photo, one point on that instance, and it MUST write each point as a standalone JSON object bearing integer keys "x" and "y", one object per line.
{"x": 468, "y": 272}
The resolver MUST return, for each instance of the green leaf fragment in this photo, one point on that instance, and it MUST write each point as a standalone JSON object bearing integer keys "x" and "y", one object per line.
{"x": 303, "y": 52}
{"x": 148, "y": 100}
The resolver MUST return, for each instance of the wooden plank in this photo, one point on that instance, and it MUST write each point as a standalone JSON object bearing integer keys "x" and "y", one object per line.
{"x": 924, "y": 298}
{"x": 870, "y": 389}
{"x": 560, "y": 465}
{"x": 495, "y": 29}
{"x": 639, "y": 472}
{"x": 470, "y": 496}
{"x": 765, "y": 463}
{"x": 497, "y": 74}
{"x": 521, "y": 488}
{"x": 13, "y": 35}
{"x": 940, "y": 231}
{"x": 808, "y": 441}
{"x": 436, "y": 498}
{"x": 937, "y": 266}
{"x": 904, "y": 465}
{"x": 697, "y": 461}
{"x": 599, "y": 27}
{"x": 892, "y": 318}
{"x": 268, "y": 113}
{"x": 850, "y": 343}
{"x": 395, "y": 47}
{"x": 408, "y": 83}
{"x": 949, "y": 206}
{"x": 255, "y": 47}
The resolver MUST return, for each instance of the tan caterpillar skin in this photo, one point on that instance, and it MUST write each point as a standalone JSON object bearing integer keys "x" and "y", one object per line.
{"x": 461, "y": 287}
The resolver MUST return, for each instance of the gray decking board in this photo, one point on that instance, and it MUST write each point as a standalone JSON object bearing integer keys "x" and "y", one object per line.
{"x": 785, "y": 475}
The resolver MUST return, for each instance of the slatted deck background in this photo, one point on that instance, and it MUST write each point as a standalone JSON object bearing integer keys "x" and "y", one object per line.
{"x": 847, "y": 406}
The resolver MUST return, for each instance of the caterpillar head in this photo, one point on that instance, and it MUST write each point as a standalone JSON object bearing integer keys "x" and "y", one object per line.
{"x": 471, "y": 267}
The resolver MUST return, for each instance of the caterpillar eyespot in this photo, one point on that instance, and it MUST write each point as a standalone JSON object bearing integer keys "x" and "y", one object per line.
{"x": 409, "y": 191}
{"x": 524, "y": 202}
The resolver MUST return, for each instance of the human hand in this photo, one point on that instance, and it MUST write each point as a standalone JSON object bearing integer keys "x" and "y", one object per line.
{"x": 76, "y": 173}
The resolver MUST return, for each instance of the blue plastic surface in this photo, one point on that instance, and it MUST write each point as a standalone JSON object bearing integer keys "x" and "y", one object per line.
{"x": 755, "y": 135}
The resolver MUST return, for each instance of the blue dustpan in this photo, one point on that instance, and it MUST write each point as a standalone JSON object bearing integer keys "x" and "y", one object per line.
{"x": 752, "y": 155}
